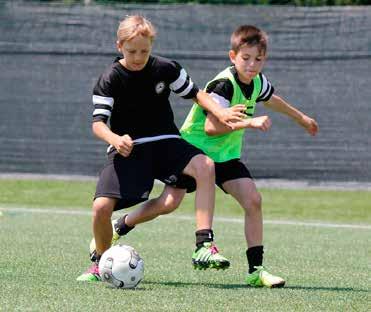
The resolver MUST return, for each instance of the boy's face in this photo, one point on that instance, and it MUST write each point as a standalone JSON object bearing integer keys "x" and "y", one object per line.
{"x": 136, "y": 52}
{"x": 248, "y": 62}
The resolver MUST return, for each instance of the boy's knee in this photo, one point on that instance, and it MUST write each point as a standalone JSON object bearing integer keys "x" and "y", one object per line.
{"x": 170, "y": 203}
{"x": 254, "y": 203}
{"x": 203, "y": 167}
{"x": 102, "y": 209}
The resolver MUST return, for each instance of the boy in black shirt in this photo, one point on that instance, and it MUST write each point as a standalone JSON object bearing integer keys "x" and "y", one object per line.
{"x": 144, "y": 142}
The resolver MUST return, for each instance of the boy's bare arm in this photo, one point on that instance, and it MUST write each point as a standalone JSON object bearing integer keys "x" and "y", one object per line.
{"x": 123, "y": 144}
{"x": 225, "y": 116}
{"x": 277, "y": 104}
{"x": 214, "y": 127}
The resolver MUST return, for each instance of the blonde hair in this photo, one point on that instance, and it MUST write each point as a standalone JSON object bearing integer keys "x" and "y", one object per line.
{"x": 251, "y": 36}
{"x": 135, "y": 25}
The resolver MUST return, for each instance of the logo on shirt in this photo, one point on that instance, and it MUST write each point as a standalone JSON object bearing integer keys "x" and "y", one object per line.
{"x": 160, "y": 87}
{"x": 145, "y": 195}
{"x": 172, "y": 179}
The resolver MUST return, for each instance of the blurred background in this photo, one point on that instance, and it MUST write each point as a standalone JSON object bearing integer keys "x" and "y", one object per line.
{"x": 319, "y": 59}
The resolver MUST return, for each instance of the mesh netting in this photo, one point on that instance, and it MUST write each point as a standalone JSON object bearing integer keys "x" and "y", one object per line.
{"x": 319, "y": 60}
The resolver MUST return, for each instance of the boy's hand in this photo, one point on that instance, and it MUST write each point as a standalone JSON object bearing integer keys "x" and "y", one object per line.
{"x": 124, "y": 145}
{"x": 309, "y": 124}
{"x": 262, "y": 123}
{"x": 227, "y": 116}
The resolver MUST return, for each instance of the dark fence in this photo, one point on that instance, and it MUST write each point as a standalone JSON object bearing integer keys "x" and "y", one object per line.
{"x": 319, "y": 60}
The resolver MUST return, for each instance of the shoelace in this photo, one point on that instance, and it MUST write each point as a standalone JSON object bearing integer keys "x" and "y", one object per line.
{"x": 93, "y": 269}
{"x": 214, "y": 250}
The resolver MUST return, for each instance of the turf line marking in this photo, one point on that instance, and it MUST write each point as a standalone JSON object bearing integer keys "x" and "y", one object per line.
{"x": 283, "y": 222}
{"x": 191, "y": 218}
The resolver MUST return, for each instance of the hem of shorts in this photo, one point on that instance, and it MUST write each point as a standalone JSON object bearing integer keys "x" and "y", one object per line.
{"x": 108, "y": 195}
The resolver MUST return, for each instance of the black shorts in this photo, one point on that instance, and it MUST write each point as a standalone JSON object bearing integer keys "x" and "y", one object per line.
{"x": 230, "y": 170}
{"x": 224, "y": 171}
{"x": 130, "y": 179}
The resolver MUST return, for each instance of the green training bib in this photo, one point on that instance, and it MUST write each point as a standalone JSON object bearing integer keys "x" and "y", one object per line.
{"x": 227, "y": 146}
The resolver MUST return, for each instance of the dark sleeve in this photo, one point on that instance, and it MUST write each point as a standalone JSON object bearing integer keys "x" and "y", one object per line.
{"x": 267, "y": 89}
{"x": 221, "y": 91}
{"x": 222, "y": 87}
{"x": 103, "y": 96}
{"x": 181, "y": 83}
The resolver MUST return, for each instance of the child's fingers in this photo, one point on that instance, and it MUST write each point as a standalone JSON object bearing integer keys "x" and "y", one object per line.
{"x": 239, "y": 107}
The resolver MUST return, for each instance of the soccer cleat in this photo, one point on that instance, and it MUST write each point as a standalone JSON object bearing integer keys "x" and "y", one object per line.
{"x": 208, "y": 256}
{"x": 115, "y": 238}
{"x": 261, "y": 277}
{"x": 91, "y": 275}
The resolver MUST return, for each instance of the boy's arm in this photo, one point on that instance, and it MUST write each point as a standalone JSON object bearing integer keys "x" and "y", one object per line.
{"x": 277, "y": 104}
{"x": 214, "y": 127}
{"x": 226, "y": 117}
{"x": 123, "y": 144}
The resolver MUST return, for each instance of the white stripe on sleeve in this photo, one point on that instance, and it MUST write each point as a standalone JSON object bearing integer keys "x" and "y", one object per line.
{"x": 187, "y": 90}
{"x": 97, "y": 99}
{"x": 180, "y": 81}
{"x": 265, "y": 85}
{"x": 99, "y": 111}
{"x": 223, "y": 102}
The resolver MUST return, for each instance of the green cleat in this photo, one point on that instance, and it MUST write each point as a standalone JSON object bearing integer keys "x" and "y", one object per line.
{"x": 115, "y": 238}
{"x": 91, "y": 275}
{"x": 261, "y": 277}
{"x": 208, "y": 256}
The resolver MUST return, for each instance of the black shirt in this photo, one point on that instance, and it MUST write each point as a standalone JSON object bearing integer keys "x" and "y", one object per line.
{"x": 137, "y": 102}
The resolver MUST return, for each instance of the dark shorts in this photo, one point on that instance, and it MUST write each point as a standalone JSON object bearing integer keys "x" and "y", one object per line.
{"x": 230, "y": 170}
{"x": 224, "y": 171}
{"x": 130, "y": 179}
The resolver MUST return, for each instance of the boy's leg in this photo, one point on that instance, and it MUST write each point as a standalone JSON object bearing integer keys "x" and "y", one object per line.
{"x": 206, "y": 255}
{"x": 167, "y": 202}
{"x": 102, "y": 229}
{"x": 245, "y": 192}
{"x": 201, "y": 168}
{"x": 115, "y": 188}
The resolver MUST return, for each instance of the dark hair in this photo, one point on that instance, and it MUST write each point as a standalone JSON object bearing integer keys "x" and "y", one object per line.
{"x": 251, "y": 36}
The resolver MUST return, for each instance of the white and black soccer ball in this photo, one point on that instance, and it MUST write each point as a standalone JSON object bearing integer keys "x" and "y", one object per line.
{"x": 121, "y": 267}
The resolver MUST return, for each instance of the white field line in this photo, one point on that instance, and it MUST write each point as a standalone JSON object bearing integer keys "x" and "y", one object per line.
{"x": 191, "y": 218}
{"x": 261, "y": 183}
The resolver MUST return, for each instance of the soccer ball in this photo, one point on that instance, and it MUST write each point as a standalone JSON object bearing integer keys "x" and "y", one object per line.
{"x": 121, "y": 267}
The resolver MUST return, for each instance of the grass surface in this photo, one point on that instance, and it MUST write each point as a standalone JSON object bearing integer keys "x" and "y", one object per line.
{"x": 327, "y": 269}
{"x": 324, "y": 205}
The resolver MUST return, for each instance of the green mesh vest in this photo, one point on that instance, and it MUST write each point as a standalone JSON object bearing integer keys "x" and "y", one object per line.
{"x": 227, "y": 146}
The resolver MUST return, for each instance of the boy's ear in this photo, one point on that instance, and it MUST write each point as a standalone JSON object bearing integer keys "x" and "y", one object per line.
{"x": 119, "y": 46}
{"x": 232, "y": 56}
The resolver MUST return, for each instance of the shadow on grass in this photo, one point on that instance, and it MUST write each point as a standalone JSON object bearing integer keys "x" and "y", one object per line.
{"x": 234, "y": 286}
{"x": 184, "y": 284}
{"x": 327, "y": 288}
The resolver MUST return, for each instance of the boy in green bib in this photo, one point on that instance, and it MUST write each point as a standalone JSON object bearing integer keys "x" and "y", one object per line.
{"x": 242, "y": 85}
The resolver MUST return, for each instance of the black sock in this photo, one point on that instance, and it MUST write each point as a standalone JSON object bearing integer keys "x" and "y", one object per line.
{"x": 121, "y": 228}
{"x": 94, "y": 257}
{"x": 254, "y": 257}
{"x": 203, "y": 236}
{"x": 97, "y": 258}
